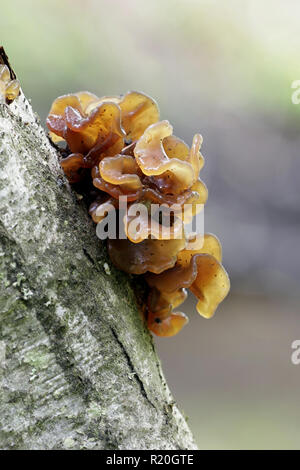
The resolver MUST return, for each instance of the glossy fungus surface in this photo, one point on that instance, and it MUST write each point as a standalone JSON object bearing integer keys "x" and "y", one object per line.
{"x": 9, "y": 89}
{"x": 116, "y": 147}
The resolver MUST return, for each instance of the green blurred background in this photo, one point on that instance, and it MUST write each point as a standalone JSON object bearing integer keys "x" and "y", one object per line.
{"x": 223, "y": 69}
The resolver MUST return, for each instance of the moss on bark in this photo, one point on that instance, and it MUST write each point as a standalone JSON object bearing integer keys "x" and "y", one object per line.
{"x": 77, "y": 365}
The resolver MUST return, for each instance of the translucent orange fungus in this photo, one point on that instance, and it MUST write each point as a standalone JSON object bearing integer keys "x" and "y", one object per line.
{"x": 9, "y": 89}
{"x": 118, "y": 146}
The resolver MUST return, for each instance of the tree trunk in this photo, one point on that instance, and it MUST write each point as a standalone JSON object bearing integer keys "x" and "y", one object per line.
{"x": 78, "y": 367}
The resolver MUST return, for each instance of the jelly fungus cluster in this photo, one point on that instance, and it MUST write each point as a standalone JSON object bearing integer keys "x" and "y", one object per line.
{"x": 118, "y": 146}
{"x": 9, "y": 89}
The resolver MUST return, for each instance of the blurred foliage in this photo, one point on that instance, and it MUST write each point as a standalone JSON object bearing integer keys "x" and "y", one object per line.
{"x": 232, "y": 52}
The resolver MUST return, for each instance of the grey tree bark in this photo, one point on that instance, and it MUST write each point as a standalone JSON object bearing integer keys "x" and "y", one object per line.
{"x": 78, "y": 368}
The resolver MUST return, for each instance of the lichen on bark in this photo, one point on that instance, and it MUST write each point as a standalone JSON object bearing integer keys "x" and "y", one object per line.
{"x": 78, "y": 367}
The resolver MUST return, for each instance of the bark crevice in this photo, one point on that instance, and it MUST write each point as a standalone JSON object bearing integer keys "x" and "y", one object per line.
{"x": 77, "y": 365}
